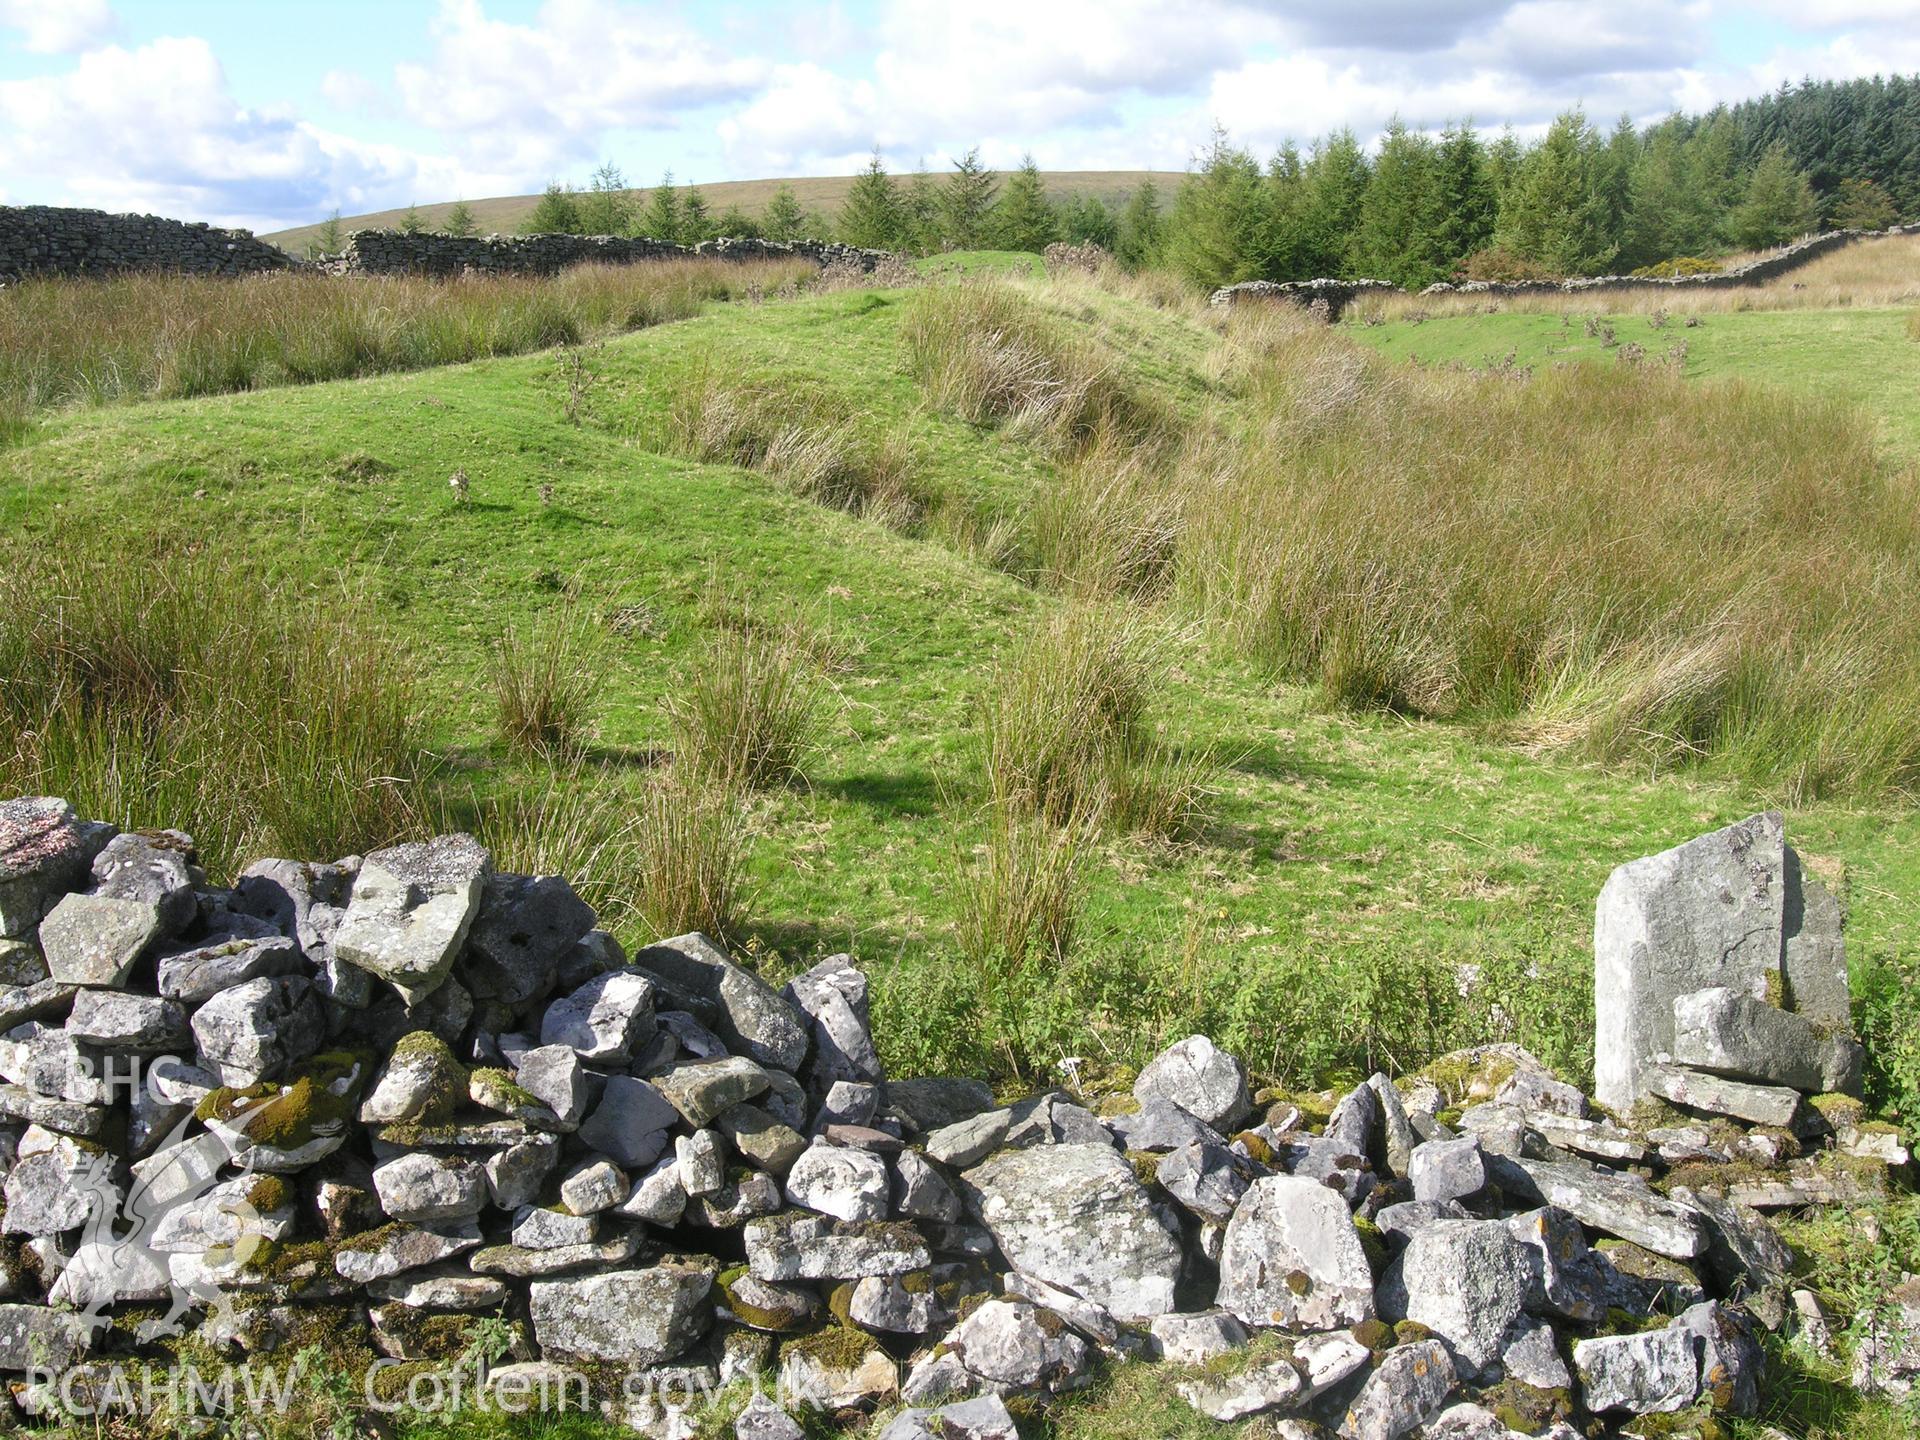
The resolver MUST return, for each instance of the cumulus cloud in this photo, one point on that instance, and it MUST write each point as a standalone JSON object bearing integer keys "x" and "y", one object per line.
{"x": 1009, "y": 76}
{"x": 535, "y": 99}
{"x": 156, "y": 128}
{"x": 58, "y": 27}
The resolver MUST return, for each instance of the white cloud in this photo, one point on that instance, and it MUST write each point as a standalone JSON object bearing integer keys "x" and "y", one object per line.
{"x": 156, "y": 128}
{"x": 534, "y": 100}
{"x": 59, "y": 27}
{"x": 1057, "y": 78}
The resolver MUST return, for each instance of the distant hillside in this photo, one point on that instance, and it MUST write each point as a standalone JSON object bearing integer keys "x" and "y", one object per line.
{"x": 824, "y": 193}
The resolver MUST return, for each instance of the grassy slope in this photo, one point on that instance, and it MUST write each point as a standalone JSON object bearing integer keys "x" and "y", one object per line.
{"x": 1358, "y": 840}
{"x": 1343, "y": 838}
{"x": 1864, "y": 356}
{"x": 823, "y": 193}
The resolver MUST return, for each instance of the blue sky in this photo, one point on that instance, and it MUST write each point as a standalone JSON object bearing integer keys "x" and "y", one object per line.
{"x": 256, "y": 113}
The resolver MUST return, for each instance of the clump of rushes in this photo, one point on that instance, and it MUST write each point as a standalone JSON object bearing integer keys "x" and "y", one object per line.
{"x": 990, "y": 353}
{"x": 747, "y": 713}
{"x": 1063, "y": 731}
{"x": 156, "y": 685}
{"x": 545, "y": 679}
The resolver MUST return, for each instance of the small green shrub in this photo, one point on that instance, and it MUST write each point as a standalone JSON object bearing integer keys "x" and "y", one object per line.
{"x": 1678, "y": 266}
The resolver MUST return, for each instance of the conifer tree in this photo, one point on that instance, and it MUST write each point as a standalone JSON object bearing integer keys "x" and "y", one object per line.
{"x": 1333, "y": 190}
{"x": 1551, "y": 214}
{"x": 920, "y": 213}
{"x": 1395, "y": 240}
{"x": 870, "y": 216}
{"x": 1088, "y": 220}
{"x": 1216, "y": 231}
{"x": 410, "y": 222}
{"x": 1861, "y": 205}
{"x": 782, "y": 219}
{"x": 661, "y": 219}
{"x": 556, "y": 212}
{"x": 1140, "y": 239}
{"x": 966, "y": 202}
{"x": 460, "y": 221}
{"x": 1023, "y": 220}
{"x": 695, "y": 224}
{"x": 1779, "y": 206}
{"x": 330, "y": 240}
{"x": 1464, "y": 201}
{"x": 607, "y": 207}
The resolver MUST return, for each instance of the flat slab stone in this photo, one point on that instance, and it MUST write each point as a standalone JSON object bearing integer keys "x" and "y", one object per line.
{"x": 1653, "y": 1373}
{"x": 752, "y": 1017}
{"x": 1606, "y": 1201}
{"x": 798, "y": 1246}
{"x": 1725, "y": 1032}
{"x": 411, "y": 909}
{"x": 1717, "y": 1095}
{"x": 635, "y": 1317}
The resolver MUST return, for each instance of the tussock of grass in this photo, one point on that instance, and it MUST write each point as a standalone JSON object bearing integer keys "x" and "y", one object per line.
{"x": 663, "y": 862}
{"x": 989, "y": 353}
{"x": 167, "y": 336}
{"x": 690, "y": 849}
{"x": 1617, "y": 563}
{"x": 801, "y": 439}
{"x": 748, "y": 712}
{"x": 1063, "y": 731}
{"x": 174, "y": 688}
{"x": 1110, "y": 524}
{"x": 545, "y": 680}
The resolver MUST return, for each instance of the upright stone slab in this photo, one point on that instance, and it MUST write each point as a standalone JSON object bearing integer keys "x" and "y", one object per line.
{"x": 1815, "y": 955}
{"x": 1707, "y": 913}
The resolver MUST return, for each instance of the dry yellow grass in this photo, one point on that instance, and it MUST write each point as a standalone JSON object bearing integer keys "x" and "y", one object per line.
{"x": 1868, "y": 274}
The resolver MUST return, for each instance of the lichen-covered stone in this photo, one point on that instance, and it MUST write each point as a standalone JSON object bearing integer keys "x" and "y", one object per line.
{"x": 1293, "y": 1259}
{"x": 411, "y": 909}
{"x": 1076, "y": 1216}
{"x": 632, "y": 1317}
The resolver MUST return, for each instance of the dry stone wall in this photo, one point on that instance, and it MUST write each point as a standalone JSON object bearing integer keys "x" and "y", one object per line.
{"x": 1336, "y": 295}
{"x": 392, "y": 252}
{"x": 411, "y": 1103}
{"x": 47, "y": 240}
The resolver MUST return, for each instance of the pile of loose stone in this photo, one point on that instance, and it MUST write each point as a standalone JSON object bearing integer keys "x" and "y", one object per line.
{"x": 398, "y": 1092}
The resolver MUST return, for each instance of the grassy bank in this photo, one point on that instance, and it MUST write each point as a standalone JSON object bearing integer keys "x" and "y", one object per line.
{"x": 145, "y": 337}
{"x": 1316, "y": 875}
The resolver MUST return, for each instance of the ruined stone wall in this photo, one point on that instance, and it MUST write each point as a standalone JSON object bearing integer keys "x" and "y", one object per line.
{"x": 1338, "y": 294}
{"x": 385, "y": 1097}
{"x": 49, "y": 240}
{"x": 392, "y": 252}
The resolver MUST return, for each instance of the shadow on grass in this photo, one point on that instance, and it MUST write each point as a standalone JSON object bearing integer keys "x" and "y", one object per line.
{"x": 916, "y": 794}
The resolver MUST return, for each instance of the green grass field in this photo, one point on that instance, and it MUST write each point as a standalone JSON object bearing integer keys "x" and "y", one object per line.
{"x": 1348, "y": 864}
{"x": 1338, "y": 842}
{"x": 1865, "y": 356}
